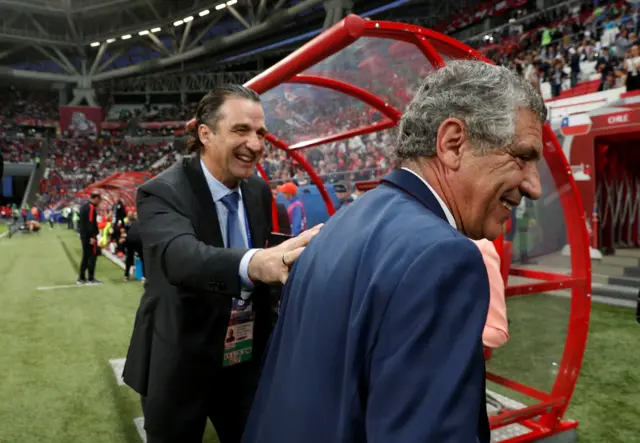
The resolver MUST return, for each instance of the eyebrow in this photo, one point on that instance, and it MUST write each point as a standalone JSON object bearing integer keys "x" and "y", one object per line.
{"x": 244, "y": 126}
{"x": 534, "y": 151}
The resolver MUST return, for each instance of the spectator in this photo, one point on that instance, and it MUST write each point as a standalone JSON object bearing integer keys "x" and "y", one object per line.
{"x": 575, "y": 66}
{"x": 297, "y": 215}
{"x": 606, "y": 64}
{"x": 557, "y": 77}
{"x": 632, "y": 68}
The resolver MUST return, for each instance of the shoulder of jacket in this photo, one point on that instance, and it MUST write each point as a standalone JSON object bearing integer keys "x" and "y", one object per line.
{"x": 170, "y": 177}
{"x": 257, "y": 181}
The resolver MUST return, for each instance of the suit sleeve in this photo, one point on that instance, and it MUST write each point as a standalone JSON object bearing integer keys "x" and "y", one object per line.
{"x": 426, "y": 378}
{"x": 169, "y": 236}
{"x": 268, "y": 225}
{"x": 93, "y": 221}
{"x": 83, "y": 220}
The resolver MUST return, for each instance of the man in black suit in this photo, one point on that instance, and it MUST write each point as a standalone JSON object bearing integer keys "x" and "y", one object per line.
{"x": 88, "y": 228}
{"x": 133, "y": 245}
{"x": 119, "y": 212}
{"x": 204, "y": 319}
{"x": 284, "y": 224}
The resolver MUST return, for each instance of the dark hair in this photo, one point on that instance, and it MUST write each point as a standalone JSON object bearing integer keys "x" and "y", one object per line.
{"x": 95, "y": 195}
{"x": 208, "y": 111}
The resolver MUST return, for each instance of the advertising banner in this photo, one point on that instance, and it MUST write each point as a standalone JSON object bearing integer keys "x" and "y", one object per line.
{"x": 80, "y": 121}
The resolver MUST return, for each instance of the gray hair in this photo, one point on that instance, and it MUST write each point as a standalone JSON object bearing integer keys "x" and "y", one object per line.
{"x": 483, "y": 96}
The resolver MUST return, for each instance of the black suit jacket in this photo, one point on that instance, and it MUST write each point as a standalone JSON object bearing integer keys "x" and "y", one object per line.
{"x": 177, "y": 343}
{"x": 133, "y": 234}
{"x": 88, "y": 221}
{"x": 284, "y": 224}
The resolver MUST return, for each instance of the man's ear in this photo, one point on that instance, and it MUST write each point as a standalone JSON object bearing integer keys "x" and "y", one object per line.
{"x": 450, "y": 142}
{"x": 204, "y": 133}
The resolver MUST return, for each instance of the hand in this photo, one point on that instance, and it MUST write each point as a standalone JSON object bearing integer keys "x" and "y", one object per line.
{"x": 92, "y": 241}
{"x": 272, "y": 265}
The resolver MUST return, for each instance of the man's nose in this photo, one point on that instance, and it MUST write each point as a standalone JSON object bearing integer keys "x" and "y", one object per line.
{"x": 530, "y": 186}
{"x": 255, "y": 143}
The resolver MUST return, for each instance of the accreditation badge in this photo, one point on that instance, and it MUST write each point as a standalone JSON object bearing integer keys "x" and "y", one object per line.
{"x": 238, "y": 343}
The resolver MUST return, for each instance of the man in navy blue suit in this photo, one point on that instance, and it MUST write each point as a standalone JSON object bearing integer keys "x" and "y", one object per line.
{"x": 379, "y": 336}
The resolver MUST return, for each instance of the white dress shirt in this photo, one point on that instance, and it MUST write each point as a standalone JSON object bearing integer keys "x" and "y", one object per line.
{"x": 218, "y": 192}
{"x": 447, "y": 212}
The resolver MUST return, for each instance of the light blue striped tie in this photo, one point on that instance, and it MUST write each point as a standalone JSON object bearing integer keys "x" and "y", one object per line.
{"x": 235, "y": 239}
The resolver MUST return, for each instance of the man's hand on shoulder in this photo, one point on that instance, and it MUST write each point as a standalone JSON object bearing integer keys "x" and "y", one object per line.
{"x": 272, "y": 265}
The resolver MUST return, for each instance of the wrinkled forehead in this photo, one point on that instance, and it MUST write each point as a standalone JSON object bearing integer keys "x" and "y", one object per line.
{"x": 529, "y": 134}
{"x": 244, "y": 112}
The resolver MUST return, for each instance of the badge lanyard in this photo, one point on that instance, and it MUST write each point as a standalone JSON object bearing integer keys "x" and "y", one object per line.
{"x": 239, "y": 338}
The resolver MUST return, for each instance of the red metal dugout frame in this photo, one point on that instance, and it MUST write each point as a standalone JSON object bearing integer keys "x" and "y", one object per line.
{"x": 118, "y": 186}
{"x": 544, "y": 417}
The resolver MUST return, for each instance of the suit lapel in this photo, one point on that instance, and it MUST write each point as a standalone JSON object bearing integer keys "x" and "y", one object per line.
{"x": 207, "y": 224}
{"x": 253, "y": 210}
{"x": 412, "y": 185}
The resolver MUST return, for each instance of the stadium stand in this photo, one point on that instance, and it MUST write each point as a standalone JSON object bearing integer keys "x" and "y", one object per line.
{"x": 563, "y": 50}
{"x": 570, "y": 50}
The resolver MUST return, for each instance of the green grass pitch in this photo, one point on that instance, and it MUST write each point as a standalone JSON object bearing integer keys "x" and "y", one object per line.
{"x": 57, "y": 386}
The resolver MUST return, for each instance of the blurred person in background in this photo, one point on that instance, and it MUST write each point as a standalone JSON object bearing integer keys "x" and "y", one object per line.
{"x": 119, "y": 212}
{"x": 606, "y": 64}
{"x": 88, "y": 229}
{"x": 297, "y": 215}
{"x": 48, "y": 216}
{"x": 284, "y": 224}
{"x": 342, "y": 192}
{"x": 557, "y": 77}
{"x": 574, "y": 62}
{"x": 380, "y": 331}
{"x": 33, "y": 226}
{"x": 631, "y": 66}
{"x": 132, "y": 244}
{"x": 204, "y": 223}
{"x": 610, "y": 82}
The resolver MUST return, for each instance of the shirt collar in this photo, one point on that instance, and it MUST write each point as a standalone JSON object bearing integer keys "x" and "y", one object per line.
{"x": 218, "y": 190}
{"x": 447, "y": 212}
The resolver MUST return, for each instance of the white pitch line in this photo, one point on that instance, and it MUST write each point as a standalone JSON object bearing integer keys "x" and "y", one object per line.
{"x": 49, "y": 288}
{"x": 139, "y": 423}
{"x": 4, "y": 234}
{"x": 117, "y": 364}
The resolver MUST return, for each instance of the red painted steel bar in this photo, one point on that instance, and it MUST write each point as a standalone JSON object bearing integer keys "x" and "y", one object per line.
{"x": 429, "y": 51}
{"x": 537, "y": 275}
{"x": 578, "y": 238}
{"x": 354, "y": 91}
{"x": 518, "y": 387}
{"x": 510, "y": 417}
{"x": 338, "y": 37}
{"x": 437, "y": 48}
{"x": 547, "y": 286}
{"x": 375, "y": 127}
{"x": 275, "y": 225}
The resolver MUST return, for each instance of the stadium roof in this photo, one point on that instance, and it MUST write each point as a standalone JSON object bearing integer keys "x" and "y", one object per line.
{"x": 84, "y": 42}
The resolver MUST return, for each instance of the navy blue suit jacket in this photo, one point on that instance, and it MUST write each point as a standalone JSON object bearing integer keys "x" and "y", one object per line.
{"x": 379, "y": 335}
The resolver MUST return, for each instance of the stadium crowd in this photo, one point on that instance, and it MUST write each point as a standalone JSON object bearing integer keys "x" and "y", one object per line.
{"x": 570, "y": 44}
{"x": 73, "y": 164}
{"x": 562, "y": 46}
